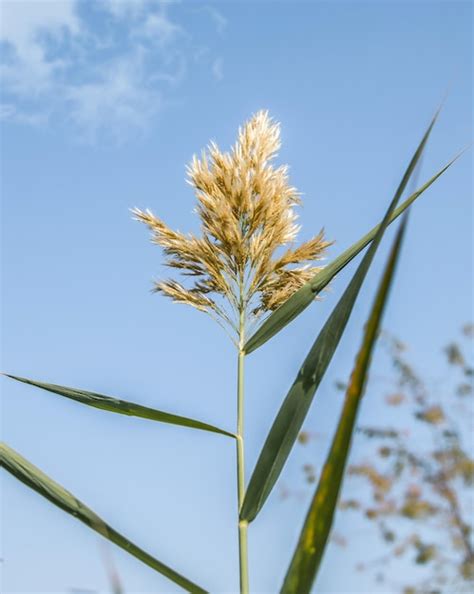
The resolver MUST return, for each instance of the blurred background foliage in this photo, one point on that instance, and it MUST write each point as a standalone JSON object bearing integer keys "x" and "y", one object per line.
{"x": 411, "y": 476}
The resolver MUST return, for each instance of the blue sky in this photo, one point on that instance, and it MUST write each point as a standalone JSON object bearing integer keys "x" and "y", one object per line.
{"x": 103, "y": 104}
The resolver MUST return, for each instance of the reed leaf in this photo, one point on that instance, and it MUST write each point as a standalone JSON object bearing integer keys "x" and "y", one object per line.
{"x": 31, "y": 476}
{"x": 300, "y": 300}
{"x": 121, "y": 407}
{"x": 292, "y": 413}
{"x": 312, "y": 542}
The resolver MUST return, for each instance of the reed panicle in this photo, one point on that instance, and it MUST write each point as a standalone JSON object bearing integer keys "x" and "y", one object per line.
{"x": 246, "y": 258}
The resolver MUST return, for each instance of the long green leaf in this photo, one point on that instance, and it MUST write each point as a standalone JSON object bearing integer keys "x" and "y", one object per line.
{"x": 121, "y": 407}
{"x": 292, "y": 413}
{"x": 312, "y": 542}
{"x": 23, "y": 470}
{"x": 300, "y": 300}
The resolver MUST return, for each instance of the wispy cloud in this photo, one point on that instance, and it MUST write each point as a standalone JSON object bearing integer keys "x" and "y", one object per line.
{"x": 158, "y": 27}
{"x": 115, "y": 104}
{"x": 26, "y": 29}
{"x": 125, "y": 8}
{"x": 217, "y": 17}
{"x": 104, "y": 66}
{"x": 9, "y": 112}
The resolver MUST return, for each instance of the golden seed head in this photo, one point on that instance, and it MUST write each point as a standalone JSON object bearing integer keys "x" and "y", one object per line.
{"x": 246, "y": 207}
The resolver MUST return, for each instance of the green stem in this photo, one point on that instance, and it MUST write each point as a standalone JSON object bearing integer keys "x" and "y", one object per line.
{"x": 243, "y": 555}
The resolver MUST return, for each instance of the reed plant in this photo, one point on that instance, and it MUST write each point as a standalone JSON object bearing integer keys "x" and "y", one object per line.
{"x": 246, "y": 271}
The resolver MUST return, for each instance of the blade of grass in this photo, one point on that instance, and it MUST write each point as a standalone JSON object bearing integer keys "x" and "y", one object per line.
{"x": 121, "y": 407}
{"x": 31, "y": 476}
{"x": 300, "y": 300}
{"x": 292, "y": 413}
{"x": 312, "y": 542}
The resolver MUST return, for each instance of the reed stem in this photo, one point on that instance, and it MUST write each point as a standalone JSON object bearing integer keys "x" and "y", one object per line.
{"x": 243, "y": 554}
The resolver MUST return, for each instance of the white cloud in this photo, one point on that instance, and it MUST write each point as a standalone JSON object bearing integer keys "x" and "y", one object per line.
{"x": 104, "y": 65}
{"x": 125, "y": 8}
{"x": 10, "y": 112}
{"x": 22, "y": 20}
{"x": 24, "y": 26}
{"x": 129, "y": 8}
{"x": 218, "y": 18}
{"x": 159, "y": 27}
{"x": 115, "y": 103}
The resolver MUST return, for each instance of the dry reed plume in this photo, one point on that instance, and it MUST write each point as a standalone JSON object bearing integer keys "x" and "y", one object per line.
{"x": 246, "y": 208}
